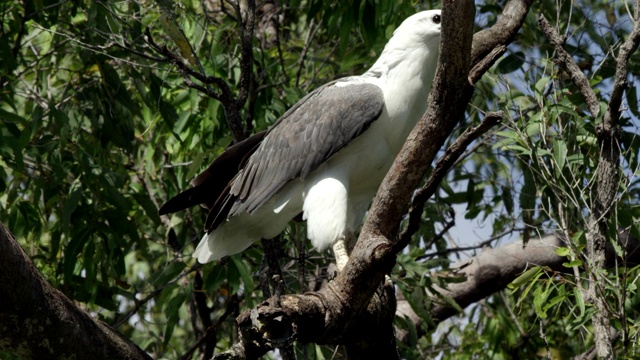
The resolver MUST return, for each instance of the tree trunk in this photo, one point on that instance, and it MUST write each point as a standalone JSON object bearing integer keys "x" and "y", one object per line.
{"x": 39, "y": 322}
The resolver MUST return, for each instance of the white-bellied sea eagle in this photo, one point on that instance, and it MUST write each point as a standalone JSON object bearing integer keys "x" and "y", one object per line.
{"x": 324, "y": 158}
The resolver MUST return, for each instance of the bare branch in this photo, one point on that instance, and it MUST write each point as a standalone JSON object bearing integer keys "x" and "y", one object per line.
{"x": 484, "y": 243}
{"x": 486, "y": 63}
{"x": 311, "y": 33}
{"x": 247, "y": 26}
{"x": 187, "y": 70}
{"x": 442, "y": 168}
{"x": 620, "y": 82}
{"x": 566, "y": 62}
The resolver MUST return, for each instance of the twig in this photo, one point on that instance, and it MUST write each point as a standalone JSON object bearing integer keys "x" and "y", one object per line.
{"x": 522, "y": 332}
{"x": 152, "y": 294}
{"x": 311, "y": 33}
{"x": 442, "y": 167}
{"x": 273, "y": 251}
{"x": 232, "y": 306}
{"x": 23, "y": 21}
{"x": 467, "y": 248}
{"x": 225, "y": 92}
{"x": 485, "y": 64}
{"x": 246, "y": 53}
{"x": 608, "y": 179}
{"x": 543, "y": 336}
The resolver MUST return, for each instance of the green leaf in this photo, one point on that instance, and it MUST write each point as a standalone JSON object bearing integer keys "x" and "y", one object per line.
{"x": 555, "y": 300}
{"x": 167, "y": 274}
{"x": 243, "y": 271}
{"x": 148, "y": 206}
{"x": 71, "y": 203}
{"x": 527, "y": 277}
{"x": 541, "y": 85}
{"x": 528, "y": 192}
{"x": 563, "y": 251}
{"x": 560, "y": 155}
{"x": 510, "y": 63}
{"x": 507, "y": 199}
{"x": 540, "y": 296}
{"x": 171, "y": 312}
{"x": 71, "y": 252}
{"x": 214, "y": 277}
{"x": 8, "y": 61}
{"x": 417, "y": 299}
{"x": 617, "y": 247}
{"x": 573, "y": 263}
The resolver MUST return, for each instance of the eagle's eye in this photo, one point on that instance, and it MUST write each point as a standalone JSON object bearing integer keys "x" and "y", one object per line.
{"x": 436, "y": 19}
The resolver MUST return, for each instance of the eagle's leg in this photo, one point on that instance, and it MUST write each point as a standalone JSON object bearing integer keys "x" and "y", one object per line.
{"x": 341, "y": 249}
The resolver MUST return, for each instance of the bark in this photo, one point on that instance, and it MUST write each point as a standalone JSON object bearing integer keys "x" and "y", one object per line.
{"x": 39, "y": 322}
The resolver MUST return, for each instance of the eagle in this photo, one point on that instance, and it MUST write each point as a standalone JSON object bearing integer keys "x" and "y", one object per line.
{"x": 324, "y": 158}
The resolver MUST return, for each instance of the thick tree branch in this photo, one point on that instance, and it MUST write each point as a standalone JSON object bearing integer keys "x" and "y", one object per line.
{"x": 490, "y": 44}
{"x": 39, "y": 322}
{"x": 493, "y": 269}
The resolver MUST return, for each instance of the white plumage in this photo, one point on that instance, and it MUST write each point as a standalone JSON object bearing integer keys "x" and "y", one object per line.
{"x": 332, "y": 154}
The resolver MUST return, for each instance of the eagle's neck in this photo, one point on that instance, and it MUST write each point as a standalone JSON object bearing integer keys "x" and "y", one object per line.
{"x": 405, "y": 75}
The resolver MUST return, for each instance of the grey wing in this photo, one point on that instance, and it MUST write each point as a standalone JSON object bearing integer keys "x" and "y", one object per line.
{"x": 317, "y": 127}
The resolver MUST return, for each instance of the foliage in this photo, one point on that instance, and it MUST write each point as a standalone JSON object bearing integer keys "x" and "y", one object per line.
{"x": 97, "y": 130}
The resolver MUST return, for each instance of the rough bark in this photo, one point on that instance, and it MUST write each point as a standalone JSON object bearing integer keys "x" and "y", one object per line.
{"x": 39, "y": 322}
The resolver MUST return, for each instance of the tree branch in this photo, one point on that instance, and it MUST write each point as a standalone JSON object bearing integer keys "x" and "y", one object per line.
{"x": 494, "y": 269}
{"x": 231, "y": 105}
{"x": 225, "y": 93}
{"x": 566, "y": 62}
{"x": 451, "y": 155}
{"x": 490, "y": 44}
{"x": 620, "y": 82}
{"x": 39, "y": 322}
